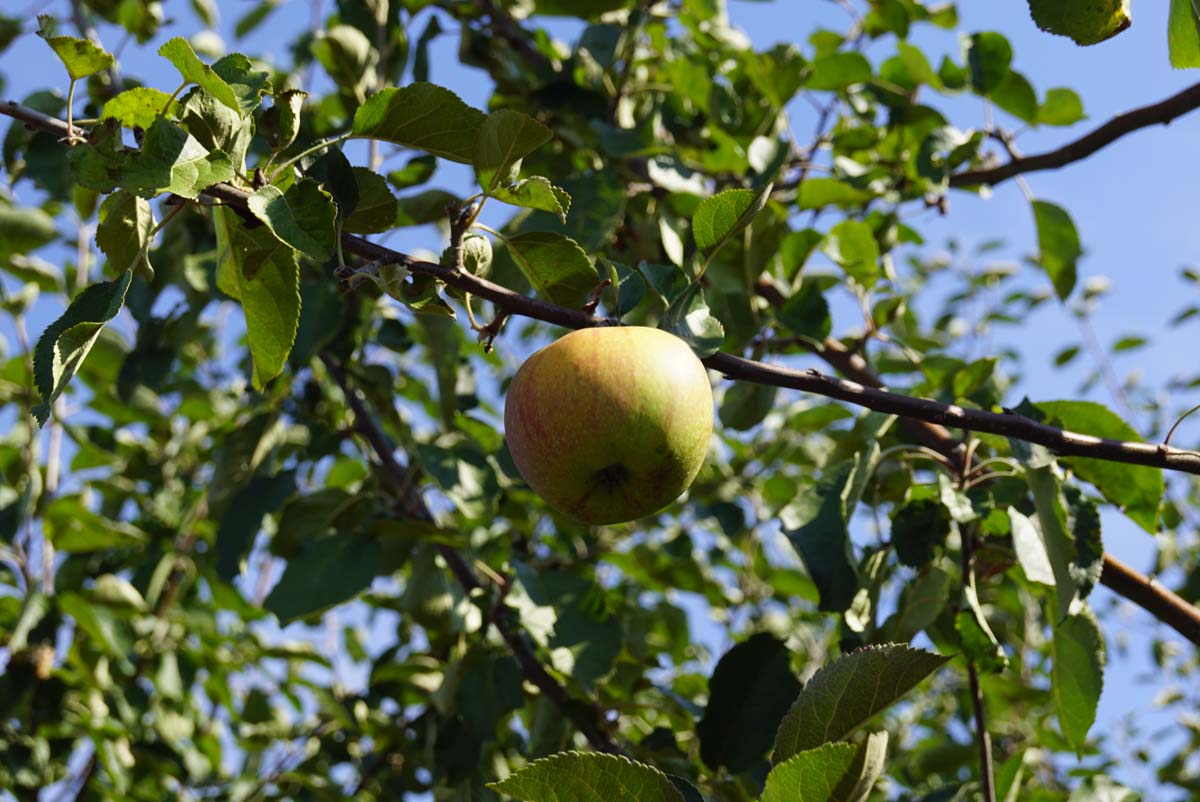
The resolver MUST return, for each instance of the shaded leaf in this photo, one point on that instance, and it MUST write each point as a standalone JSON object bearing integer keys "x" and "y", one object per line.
{"x": 749, "y": 691}
{"x": 260, "y": 271}
{"x": 1077, "y": 677}
{"x": 327, "y": 572}
{"x": 172, "y": 160}
{"x": 918, "y": 529}
{"x": 302, "y": 217}
{"x": 376, "y": 208}
{"x": 124, "y": 231}
{"x": 978, "y": 641}
{"x": 815, "y": 523}
{"x": 506, "y": 137}
{"x": 689, "y": 318}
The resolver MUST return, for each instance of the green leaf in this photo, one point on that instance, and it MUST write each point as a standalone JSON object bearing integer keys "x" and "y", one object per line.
{"x": 1183, "y": 34}
{"x": 81, "y": 57}
{"x": 248, "y": 84}
{"x": 1086, "y": 22}
{"x": 806, "y": 313}
{"x": 816, "y": 193}
{"x": 328, "y": 571}
{"x": 778, "y": 73}
{"x": 1135, "y": 490}
{"x": 811, "y": 775}
{"x": 302, "y": 217}
{"x": 506, "y": 137}
{"x": 869, "y": 762}
{"x": 555, "y": 266}
{"x": 103, "y": 627}
{"x": 837, "y": 71}
{"x": 260, "y": 271}
{"x": 922, "y": 603}
{"x": 124, "y": 231}
{"x": 1061, "y": 107}
{"x": 845, "y": 694}
{"x": 216, "y": 126}
{"x": 1083, "y": 520}
{"x": 722, "y": 216}
{"x": 65, "y": 344}
{"x": 576, "y": 776}
{"x": 24, "y": 229}
{"x": 978, "y": 641}
{"x": 138, "y": 107}
{"x": 689, "y": 318}
{"x": 1078, "y": 675}
{"x": 1030, "y": 547}
{"x": 989, "y": 59}
{"x": 348, "y": 56}
{"x": 1058, "y": 244}
{"x": 179, "y": 52}
{"x": 422, "y": 116}
{"x": 745, "y": 404}
{"x": 286, "y": 117}
{"x": 172, "y": 160}
{"x": 1017, "y": 96}
{"x": 815, "y": 522}
{"x": 376, "y": 209}
{"x": 75, "y": 529}
{"x": 418, "y": 170}
{"x": 851, "y": 243}
{"x": 918, "y": 529}
{"x": 1052, "y": 522}
{"x": 748, "y": 693}
{"x": 536, "y": 192}
{"x": 243, "y": 518}
{"x": 1099, "y": 788}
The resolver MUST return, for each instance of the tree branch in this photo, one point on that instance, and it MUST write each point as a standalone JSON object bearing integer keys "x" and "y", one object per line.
{"x": 1159, "y": 113}
{"x": 862, "y": 389}
{"x": 587, "y": 718}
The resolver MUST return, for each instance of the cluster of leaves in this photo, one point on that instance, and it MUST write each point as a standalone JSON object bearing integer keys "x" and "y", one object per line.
{"x": 221, "y": 487}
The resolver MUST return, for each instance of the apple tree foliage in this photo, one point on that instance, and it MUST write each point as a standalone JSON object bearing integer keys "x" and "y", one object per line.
{"x": 260, "y": 535}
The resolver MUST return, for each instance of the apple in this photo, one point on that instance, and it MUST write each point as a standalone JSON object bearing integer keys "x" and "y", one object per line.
{"x": 610, "y": 424}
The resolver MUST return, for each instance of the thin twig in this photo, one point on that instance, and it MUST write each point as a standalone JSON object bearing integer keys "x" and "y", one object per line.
{"x": 1159, "y": 113}
{"x": 983, "y": 738}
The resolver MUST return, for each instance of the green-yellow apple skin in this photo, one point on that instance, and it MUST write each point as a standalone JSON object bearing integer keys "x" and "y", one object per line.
{"x": 610, "y": 424}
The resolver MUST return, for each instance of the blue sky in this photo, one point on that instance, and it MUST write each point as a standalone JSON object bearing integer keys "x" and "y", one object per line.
{"x": 1132, "y": 203}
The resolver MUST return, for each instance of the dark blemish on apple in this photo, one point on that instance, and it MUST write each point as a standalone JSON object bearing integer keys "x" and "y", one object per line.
{"x": 613, "y": 476}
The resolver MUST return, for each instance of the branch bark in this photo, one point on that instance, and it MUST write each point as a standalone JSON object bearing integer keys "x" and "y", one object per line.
{"x": 1159, "y": 113}
{"x": 862, "y": 389}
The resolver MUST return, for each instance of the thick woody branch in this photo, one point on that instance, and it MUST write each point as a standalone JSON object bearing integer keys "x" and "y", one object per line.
{"x": 1159, "y": 113}
{"x": 928, "y": 418}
